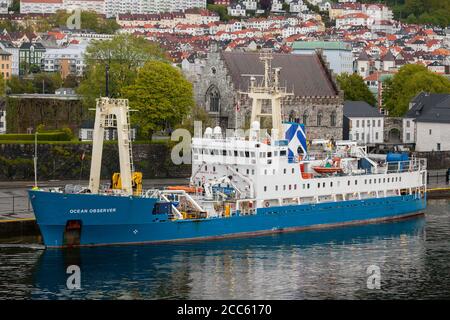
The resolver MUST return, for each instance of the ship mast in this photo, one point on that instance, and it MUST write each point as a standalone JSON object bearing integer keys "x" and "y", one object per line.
{"x": 268, "y": 90}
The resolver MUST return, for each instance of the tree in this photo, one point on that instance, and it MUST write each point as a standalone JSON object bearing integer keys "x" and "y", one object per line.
{"x": 46, "y": 82}
{"x": 18, "y": 85}
{"x": 196, "y": 114}
{"x": 161, "y": 95}
{"x": 407, "y": 83}
{"x": 124, "y": 54}
{"x": 355, "y": 88}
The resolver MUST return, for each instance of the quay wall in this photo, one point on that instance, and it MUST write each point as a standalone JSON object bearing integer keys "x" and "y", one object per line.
{"x": 65, "y": 161}
{"x": 435, "y": 159}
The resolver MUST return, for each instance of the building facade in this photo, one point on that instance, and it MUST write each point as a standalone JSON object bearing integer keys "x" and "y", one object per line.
{"x": 316, "y": 102}
{"x": 14, "y": 51}
{"x": 5, "y": 65}
{"x": 338, "y": 54}
{"x": 429, "y": 122}
{"x": 41, "y": 6}
{"x": 30, "y": 57}
{"x": 363, "y": 123}
{"x": 64, "y": 60}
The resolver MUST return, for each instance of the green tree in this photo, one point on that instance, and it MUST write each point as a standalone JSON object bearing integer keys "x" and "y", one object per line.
{"x": 46, "y": 82}
{"x": 161, "y": 95}
{"x": 196, "y": 114}
{"x": 355, "y": 89}
{"x": 407, "y": 83}
{"x": 18, "y": 85}
{"x": 220, "y": 10}
{"x": 124, "y": 54}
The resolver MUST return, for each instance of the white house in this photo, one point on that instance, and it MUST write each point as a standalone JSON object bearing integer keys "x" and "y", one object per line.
{"x": 237, "y": 10}
{"x": 277, "y": 6}
{"x": 427, "y": 123}
{"x": 4, "y": 5}
{"x": 250, "y": 4}
{"x": 362, "y": 123}
{"x": 352, "y": 19}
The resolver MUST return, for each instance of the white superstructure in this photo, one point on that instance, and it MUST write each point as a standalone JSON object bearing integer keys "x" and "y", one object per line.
{"x": 266, "y": 170}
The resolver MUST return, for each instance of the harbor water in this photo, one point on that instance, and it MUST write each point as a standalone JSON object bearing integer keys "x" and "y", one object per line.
{"x": 412, "y": 256}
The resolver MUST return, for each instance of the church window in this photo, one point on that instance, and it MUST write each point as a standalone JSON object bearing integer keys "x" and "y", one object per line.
{"x": 213, "y": 99}
{"x": 319, "y": 119}
{"x": 333, "y": 119}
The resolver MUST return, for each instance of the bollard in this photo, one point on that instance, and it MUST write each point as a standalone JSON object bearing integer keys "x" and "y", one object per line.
{"x": 447, "y": 176}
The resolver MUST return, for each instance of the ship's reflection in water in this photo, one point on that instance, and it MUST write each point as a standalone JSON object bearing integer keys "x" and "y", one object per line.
{"x": 303, "y": 265}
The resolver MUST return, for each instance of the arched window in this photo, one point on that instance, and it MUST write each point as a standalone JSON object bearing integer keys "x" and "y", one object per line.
{"x": 213, "y": 99}
{"x": 333, "y": 119}
{"x": 305, "y": 118}
{"x": 319, "y": 119}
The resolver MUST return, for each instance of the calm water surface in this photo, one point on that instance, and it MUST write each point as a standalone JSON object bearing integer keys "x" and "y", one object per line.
{"x": 413, "y": 256}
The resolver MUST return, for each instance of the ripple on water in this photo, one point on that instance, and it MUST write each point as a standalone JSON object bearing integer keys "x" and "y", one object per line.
{"x": 413, "y": 256}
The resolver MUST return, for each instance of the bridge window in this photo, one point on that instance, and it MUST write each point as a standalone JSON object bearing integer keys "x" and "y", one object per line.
{"x": 284, "y": 170}
{"x": 356, "y": 182}
{"x": 293, "y": 170}
{"x": 265, "y": 188}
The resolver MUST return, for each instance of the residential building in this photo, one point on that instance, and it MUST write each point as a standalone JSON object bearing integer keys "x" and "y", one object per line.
{"x": 277, "y": 6}
{"x": 4, "y": 5}
{"x": 297, "y": 6}
{"x": 41, "y": 6}
{"x": 429, "y": 122}
{"x": 86, "y": 5}
{"x": 352, "y": 19}
{"x": 86, "y": 132}
{"x": 30, "y": 57}
{"x": 316, "y": 101}
{"x": 338, "y": 54}
{"x": 64, "y": 60}
{"x": 14, "y": 51}
{"x": 237, "y": 10}
{"x": 250, "y": 4}
{"x": 5, "y": 65}
{"x": 362, "y": 123}
{"x": 377, "y": 12}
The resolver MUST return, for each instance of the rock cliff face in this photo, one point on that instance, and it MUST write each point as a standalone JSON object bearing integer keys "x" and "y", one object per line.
{"x": 63, "y": 161}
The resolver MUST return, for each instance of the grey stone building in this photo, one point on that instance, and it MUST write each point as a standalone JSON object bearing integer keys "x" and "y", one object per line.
{"x": 220, "y": 80}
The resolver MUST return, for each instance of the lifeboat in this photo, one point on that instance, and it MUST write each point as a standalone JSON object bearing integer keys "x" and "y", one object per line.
{"x": 327, "y": 170}
{"x": 188, "y": 189}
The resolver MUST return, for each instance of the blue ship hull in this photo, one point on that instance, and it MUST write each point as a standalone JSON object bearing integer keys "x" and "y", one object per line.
{"x": 110, "y": 220}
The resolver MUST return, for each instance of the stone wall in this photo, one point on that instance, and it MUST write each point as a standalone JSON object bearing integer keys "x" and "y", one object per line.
{"x": 435, "y": 159}
{"x": 63, "y": 161}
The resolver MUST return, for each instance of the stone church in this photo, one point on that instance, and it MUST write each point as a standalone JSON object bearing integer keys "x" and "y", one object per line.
{"x": 220, "y": 80}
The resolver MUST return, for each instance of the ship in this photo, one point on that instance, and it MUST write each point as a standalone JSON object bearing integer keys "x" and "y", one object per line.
{"x": 242, "y": 183}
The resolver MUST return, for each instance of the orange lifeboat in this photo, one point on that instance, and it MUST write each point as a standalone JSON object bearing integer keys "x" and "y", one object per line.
{"x": 327, "y": 170}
